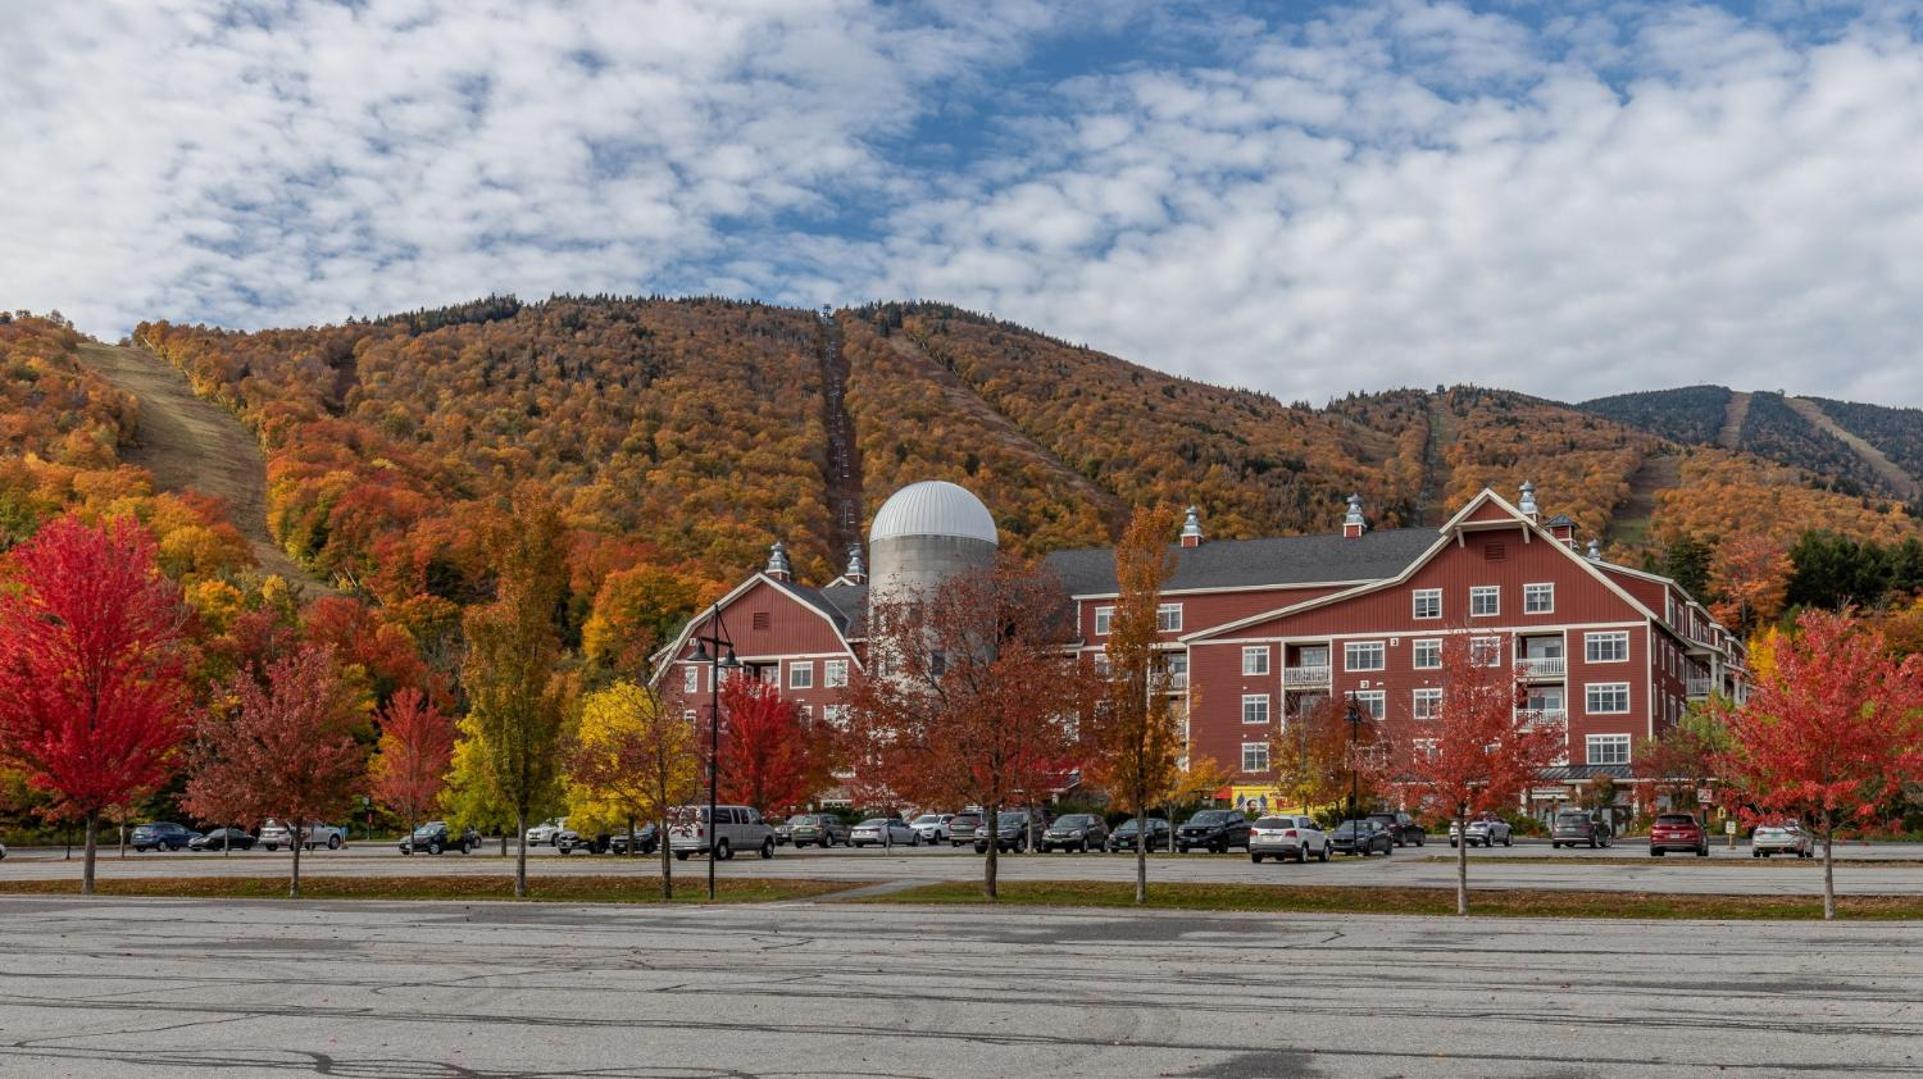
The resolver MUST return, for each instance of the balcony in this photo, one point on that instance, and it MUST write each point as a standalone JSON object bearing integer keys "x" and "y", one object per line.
{"x": 1175, "y": 681}
{"x": 1544, "y": 667}
{"x": 1305, "y": 677}
{"x": 1698, "y": 688}
{"x": 1552, "y": 717}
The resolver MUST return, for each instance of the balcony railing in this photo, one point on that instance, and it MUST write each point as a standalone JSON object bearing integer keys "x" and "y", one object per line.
{"x": 1305, "y": 677}
{"x": 1176, "y": 682}
{"x": 1544, "y": 667}
{"x": 1698, "y": 688}
{"x": 1549, "y": 717}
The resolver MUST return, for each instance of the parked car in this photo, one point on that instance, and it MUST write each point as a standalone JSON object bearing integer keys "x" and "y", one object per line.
{"x": 962, "y": 828}
{"x": 3, "y": 851}
{"x": 1123, "y": 837}
{"x": 1075, "y": 831}
{"x": 1364, "y": 837}
{"x": 1788, "y": 837}
{"x": 435, "y": 836}
{"x": 161, "y": 835}
{"x": 548, "y": 831}
{"x": 274, "y": 835}
{"x": 570, "y": 841}
{"x": 221, "y": 839}
{"x": 1015, "y": 831}
{"x": 1297, "y": 837}
{"x": 1214, "y": 830}
{"x": 820, "y": 829}
{"x": 1485, "y": 831}
{"x": 1402, "y": 828}
{"x": 1576, "y": 828}
{"x": 883, "y": 832}
{"x": 1677, "y": 831}
{"x": 736, "y": 828}
{"x": 647, "y": 840}
{"x": 933, "y": 827}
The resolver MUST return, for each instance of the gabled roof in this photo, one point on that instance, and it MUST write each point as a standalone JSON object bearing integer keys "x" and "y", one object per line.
{"x": 826, "y": 602}
{"x": 1280, "y": 561}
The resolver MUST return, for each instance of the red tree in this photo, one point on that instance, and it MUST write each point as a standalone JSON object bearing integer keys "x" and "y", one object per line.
{"x": 969, "y": 696}
{"x": 91, "y": 689}
{"x": 765, "y": 747}
{"x": 410, "y": 764}
{"x": 285, "y": 750}
{"x": 1482, "y": 749}
{"x": 1831, "y": 731}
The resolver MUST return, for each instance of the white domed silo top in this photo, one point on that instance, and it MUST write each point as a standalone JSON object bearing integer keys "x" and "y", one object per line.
{"x": 933, "y": 508}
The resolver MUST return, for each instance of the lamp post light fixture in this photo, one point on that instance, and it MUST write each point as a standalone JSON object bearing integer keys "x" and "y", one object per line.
{"x": 717, "y": 635}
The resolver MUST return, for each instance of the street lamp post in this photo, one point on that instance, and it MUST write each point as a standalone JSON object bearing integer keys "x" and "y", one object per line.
{"x": 717, "y": 636}
{"x": 1354, "y": 717}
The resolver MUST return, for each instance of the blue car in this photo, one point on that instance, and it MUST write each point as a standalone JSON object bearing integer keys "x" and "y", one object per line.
{"x": 162, "y": 835}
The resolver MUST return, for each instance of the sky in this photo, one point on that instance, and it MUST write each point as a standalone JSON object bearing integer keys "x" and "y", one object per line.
{"x": 1303, "y": 198}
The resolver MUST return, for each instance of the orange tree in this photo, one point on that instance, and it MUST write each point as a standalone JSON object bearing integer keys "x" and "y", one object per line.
{"x": 1830, "y": 733}
{"x": 1481, "y": 750}
{"x": 1135, "y": 737}
{"x": 969, "y": 696}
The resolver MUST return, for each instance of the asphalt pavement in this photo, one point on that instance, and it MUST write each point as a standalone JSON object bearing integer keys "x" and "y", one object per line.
{"x": 127, "y": 988}
{"x": 1879, "y": 869}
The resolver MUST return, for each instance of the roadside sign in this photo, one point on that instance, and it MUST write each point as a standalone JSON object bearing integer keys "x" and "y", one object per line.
{"x": 1703, "y": 795}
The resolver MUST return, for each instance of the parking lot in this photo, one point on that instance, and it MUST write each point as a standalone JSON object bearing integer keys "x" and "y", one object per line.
{"x": 116, "y": 987}
{"x": 1625, "y": 867}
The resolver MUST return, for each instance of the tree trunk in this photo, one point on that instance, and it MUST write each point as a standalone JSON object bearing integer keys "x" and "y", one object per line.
{"x": 1462, "y": 865}
{"x": 293, "y": 885}
{"x": 992, "y": 820}
{"x": 1141, "y": 857}
{"x": 667, "y": 857}
{"x": 1829, "y": 872}
{"x": 503, "y": 844}
{"x": 86, "y": 866}
{"x": 634, "y": 851}
{"x": 123, "y": 839}
{"x": 520, "y": 855}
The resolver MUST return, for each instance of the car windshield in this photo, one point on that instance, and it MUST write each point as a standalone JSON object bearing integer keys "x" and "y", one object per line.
{"x": 1675, "y": 818}
{"x": 966, "y": 818}
{"x": 1275, "y": 822}
{"x": 429, "y": 829}
{"x": 1572, "y": 818}
{"x": 1017, "y": 817}
{"x": 928, "y": 818}
{"x": 874, "y": 822}
{"x": 1210, "y": 816}
{"x": 1351, "y": 826}
{"x": 1075, "y": 820}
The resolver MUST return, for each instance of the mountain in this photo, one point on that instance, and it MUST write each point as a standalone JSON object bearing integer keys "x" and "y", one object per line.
{"x": 1853, "y": 448}
{"x": 694, "y": 432}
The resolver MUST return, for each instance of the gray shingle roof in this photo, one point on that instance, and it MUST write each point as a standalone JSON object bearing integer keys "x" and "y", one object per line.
{"x": 1281, "y": 560}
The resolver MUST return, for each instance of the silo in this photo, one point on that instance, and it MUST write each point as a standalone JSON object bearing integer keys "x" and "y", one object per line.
{"x": 924, "y": 534}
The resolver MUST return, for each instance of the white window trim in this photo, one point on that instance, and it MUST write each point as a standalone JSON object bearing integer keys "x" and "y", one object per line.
{"x": 1614, "y": 634}
{"x": 1260, "y": 747}
{"x": 1415, "y": 649}
{"x": 1162, "y": 609}
{"x": 1485, "y": 590}
{"x": 1425, "y": 693}
{"x": 1551, "y": 586}
{"x": 1259, "y": 654}
{"x": 1490, "y": 646}
{"x": 834, "y": 673}
{"x": 1268, "y": 714}
{"x": 1381, "y": 648}
{"x": 691, "y": 679}
{"x": 1415, "y": 603}
{"x": 1104, "y": 621}
{"x": 1588, "y": 708}
{"x": 800, "y": 668}
{"x": 1375, "y": 700}
{"x": 1591, "y": 742}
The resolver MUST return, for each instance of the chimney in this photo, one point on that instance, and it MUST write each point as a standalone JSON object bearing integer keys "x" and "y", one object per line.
{"x": 857, "y": 573}
{"x": 1595, "y": 550}
{"x": 1528, "y": 503}
{"x": 778, "y": 563}
{"x": 1192, "y": 528}
{"x": 1353, "y": 525}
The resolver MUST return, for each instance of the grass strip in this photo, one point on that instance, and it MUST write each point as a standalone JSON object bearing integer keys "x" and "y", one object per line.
{"x": 555, "y": 889}
{"x": 1336, "y": 899}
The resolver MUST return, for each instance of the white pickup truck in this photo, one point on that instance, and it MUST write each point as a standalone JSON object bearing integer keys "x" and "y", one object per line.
{"x": 274, "y": 835}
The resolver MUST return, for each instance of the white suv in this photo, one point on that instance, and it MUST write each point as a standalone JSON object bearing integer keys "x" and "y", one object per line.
{"x": 932, "y": 827}
{"x": 548, "y": 831}
{"x": 1293, "y": 837}
{"x": 274, "y": 835}
{"x": 738, "y": 828}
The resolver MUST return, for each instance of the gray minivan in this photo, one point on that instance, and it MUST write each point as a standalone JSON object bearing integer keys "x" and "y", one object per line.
{"x": 737, "y": 828}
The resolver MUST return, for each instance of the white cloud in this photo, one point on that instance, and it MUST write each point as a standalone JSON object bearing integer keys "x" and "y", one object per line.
{"x": 1611, "y": 198}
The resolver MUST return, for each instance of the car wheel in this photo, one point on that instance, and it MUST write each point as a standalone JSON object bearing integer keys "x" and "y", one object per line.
{"x": 1452, "y": 843}
{"x": 1702, "y": 851}
{"x": 1256, "y": 858}
{"x": 1325, "y": 853}
{"x": 271, "y": 847}
{"x": 1655, "y": 852}
{"x": 767, "y": 848}
{"x": 681, "y": 855}
{"x": 915, "y": 840}
{"x": 723, "y": 851}
{"x": 1509, "y": 839}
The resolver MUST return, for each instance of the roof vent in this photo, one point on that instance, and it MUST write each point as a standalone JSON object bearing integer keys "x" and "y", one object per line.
{"x": 1192, "y": 528}
{"x": 1354, "y": 524}
{"x": 1595, "y": 550}
{"x": 778, "y": 567}
{"x": 857, "y": 573}
{"x": 1528, "y": 503}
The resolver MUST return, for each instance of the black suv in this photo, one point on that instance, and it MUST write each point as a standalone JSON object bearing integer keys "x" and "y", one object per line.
{"x": 1015, "y": 831}
{"x": 1576, "y": 828}
{"x": 1076, "y": 831}
{"x": 435, "y": 837}
{"x": 1402, "y": 828}
{"x": 1215, "y": 830}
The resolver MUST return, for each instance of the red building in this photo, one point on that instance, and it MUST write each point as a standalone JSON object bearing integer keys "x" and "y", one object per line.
{"x": 1257, "y": 631}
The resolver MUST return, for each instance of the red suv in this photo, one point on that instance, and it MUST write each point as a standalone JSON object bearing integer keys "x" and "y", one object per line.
{"x": 1677, "y": 831}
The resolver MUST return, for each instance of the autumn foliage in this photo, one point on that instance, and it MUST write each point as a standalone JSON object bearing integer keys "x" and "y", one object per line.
{"x": 92, "y": 697}
{"x": 409, "y": 769}
{"x": 768, "y": 750}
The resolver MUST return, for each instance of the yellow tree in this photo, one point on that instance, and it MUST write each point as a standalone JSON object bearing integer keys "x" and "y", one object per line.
{"x": 634, "y": 758}
{"x": 1310, "y": 755}
{"x": 1136, "y": 737}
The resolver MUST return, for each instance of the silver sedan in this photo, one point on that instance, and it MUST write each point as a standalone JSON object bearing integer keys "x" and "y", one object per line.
{"x": 884, "y": 832}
